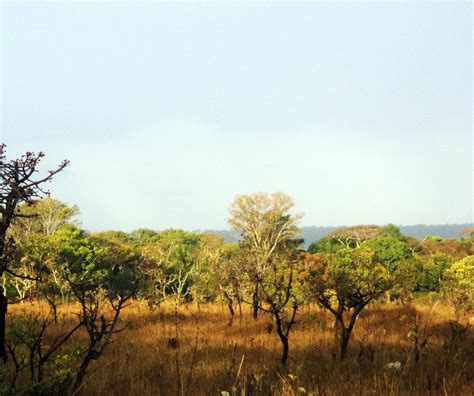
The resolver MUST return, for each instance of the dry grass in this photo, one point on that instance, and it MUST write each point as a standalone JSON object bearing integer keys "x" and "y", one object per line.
{"x": 195, "y": 352}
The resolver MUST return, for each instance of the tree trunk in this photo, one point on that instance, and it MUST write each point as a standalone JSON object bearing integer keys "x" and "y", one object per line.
{"x": 346, "y": 331}
{"x": 91, "y": 355}
{"x": 345, "y": 335}
{"x": 284, "y": 356}
{"x": 283, "y": 338}
{"x": 255, "y": 302}
{"x": 81, "y": 372}
{"x": 232, "y": 313}
{"x": 3, "y": 314}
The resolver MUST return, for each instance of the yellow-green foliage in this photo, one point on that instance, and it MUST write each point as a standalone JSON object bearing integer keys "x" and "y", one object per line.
{"x": 459, "y": 283}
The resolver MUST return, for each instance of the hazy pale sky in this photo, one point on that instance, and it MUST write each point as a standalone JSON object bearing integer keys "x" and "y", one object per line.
{"x": 362, "y": 112}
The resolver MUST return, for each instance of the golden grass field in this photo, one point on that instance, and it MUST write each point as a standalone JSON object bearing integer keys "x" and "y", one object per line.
{"x": 195, "y": 352}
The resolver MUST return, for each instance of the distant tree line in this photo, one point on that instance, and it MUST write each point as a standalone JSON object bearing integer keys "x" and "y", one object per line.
{"x": 419, "y": 231}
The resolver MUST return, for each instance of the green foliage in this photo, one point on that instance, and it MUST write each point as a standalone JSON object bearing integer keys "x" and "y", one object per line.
{"x": 211, "y": 253}
{"x": 430, "y": 271}
{"x": 81, "y": 260}
{"x": 325, "y": 245}
{"x": 388, "y": 250}
{"x": 346, "y": 280}
{"x": 393, "y": 231}
{"x": 142, "y": 237}
{"x": 388, "y": 246}
{"x": 388, "y": 242}
{"x": 356, "y": 276}
{"x": 170, "y": 265}
{"x": 121, "y": 261}
{"x": 44, "y": 216}
{"x": 434, "y": 238}
{"x": 41, "y": 369}
{"x": 459, "y": 284}
{"x": 349, "y": 277}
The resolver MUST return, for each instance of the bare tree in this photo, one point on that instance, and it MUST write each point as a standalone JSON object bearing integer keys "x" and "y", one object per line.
{"x": 18, "y": 184}
{"x": 354, "y": 236}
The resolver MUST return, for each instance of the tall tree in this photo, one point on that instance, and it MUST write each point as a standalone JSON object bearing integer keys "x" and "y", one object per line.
{"x": 18, "y": 184}
{"x": 265, "y": 223}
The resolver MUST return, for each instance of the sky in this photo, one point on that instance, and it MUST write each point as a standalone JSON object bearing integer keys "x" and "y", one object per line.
{"x": 360, "y": 111}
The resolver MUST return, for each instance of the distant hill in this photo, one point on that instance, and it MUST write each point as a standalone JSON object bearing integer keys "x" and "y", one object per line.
{"x": 313, "y": 233}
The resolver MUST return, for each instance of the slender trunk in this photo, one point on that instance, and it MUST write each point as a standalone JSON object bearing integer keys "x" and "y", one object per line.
{"x": 231, "y": 308}
{"x": 283, "y": 338}
{"x": 81, "y": 372}
{"x": 230, "y": 305}
{"x": 284, "y": 356}
{"x": 255, "y": 302}
{"x": 3, "y": 299}
{"x": 3, "y": 314}
{"x": 337, "y": 328}
{"x": 345, "y": 335}
{"x": 346, "y": 331}
{"x": 40, "y": 372}
{"x": 232, "y": 313}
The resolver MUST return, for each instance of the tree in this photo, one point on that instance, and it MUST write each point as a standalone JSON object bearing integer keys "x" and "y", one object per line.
{"x": 265, "y": 223}
{"x": 43, "y": 216}
{"x": 391, "y": 250}
{"x": 456, "y": 248}
{"x": 345, "y": 281}
{"x": 18, "y": 185}
{"x": 143, "y": 236}
{"x": 231, "y": 279}
{"x": 354, "y": 236}
{"x": 210, "y": 251}
{"x": 30, "y": 259}
{"x": 102, "y": 276}
{"x": 430, "y": 271}
{"x": 389, "y": 245}
{"x": 467, "y": 233}
{"x": 345, "y": 237}
{"x": 281, "y": 291}
{"x": 31, "y": 235}
{"x": 459, "y": 284}
{"x": 169, "y": 267}
{"x": 98, "y": 273}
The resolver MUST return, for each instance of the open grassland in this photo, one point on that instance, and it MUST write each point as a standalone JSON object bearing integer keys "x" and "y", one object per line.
{"x": 191, "y": 351}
